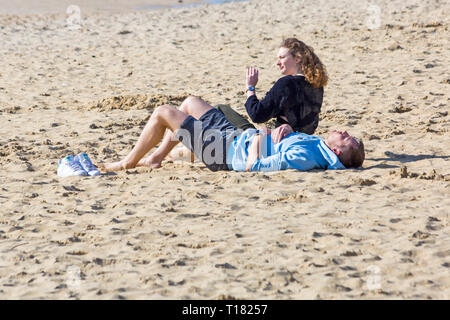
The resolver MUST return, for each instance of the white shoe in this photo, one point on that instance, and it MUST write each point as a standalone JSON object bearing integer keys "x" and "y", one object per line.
{"x": 68, "y": 167}
{"x": 86, "y": 164}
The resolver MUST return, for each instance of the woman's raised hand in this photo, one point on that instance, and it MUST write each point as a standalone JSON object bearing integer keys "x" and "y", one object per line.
{"x": 252, "y": 77}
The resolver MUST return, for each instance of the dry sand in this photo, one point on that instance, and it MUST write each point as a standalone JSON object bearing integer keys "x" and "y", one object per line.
{"x": 183, "y": 232}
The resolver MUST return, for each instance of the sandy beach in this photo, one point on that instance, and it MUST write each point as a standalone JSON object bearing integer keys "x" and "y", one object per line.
{"x": 87, "y": 80}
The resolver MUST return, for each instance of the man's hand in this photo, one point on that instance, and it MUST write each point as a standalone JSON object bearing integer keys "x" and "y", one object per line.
{"x": 252, "y": 77}
{"x": 281, "y": 132}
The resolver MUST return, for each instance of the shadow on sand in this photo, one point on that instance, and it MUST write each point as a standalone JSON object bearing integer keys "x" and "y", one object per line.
{"x": 402, "y": 158}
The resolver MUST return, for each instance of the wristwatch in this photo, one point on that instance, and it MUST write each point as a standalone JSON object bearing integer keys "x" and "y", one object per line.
{"x": 251, "y": 88}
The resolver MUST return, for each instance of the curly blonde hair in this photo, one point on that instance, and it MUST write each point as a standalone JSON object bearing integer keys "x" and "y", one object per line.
{"x": 313, "y": 69}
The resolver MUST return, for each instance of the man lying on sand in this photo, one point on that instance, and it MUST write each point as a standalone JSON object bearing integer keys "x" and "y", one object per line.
{"x": 221, "y": 146}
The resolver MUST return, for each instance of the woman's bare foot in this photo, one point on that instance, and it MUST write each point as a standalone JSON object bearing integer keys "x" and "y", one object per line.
{"x": 112, "y": 166}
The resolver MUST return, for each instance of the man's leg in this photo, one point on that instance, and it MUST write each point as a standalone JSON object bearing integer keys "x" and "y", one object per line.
{"x": 192, "y": 106}
{"x": 164, "y": 117}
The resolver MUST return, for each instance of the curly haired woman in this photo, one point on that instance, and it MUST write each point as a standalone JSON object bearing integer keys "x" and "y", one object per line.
{"x": 295, "y": 100}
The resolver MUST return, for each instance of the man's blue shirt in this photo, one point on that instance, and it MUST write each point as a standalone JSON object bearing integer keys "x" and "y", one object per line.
{"x": 296, "y": 151}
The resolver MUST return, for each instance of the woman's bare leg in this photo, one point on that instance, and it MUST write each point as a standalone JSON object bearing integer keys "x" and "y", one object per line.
{"x": 193, "y": 106}
{"x": 164, "y": 117}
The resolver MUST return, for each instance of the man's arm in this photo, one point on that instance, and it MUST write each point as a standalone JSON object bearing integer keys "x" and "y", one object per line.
{"x": 254, "y": 151}
{"x": 291, "y": 159}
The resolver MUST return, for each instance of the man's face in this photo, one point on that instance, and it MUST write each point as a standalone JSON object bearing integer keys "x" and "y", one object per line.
{"x": 341, "y": 142}
{"x": 286, "y": 62}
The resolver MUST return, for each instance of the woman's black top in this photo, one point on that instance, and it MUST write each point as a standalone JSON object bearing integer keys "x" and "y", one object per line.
{"x": 292, "y": 97}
